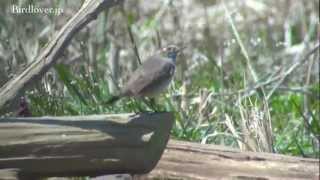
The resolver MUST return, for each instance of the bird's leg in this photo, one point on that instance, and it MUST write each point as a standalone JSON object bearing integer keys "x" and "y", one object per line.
{"x": 149, "y": 105}
{"x": 146, "y": 102}
{"x": 137, "y": 106}
{"x": 153, "y": 104}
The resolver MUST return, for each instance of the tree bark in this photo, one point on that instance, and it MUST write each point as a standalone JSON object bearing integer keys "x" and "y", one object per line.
{"x": 53, "y": 50}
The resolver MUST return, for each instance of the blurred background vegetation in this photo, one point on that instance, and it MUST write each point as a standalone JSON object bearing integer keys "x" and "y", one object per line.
{"x": 248, "y": 77}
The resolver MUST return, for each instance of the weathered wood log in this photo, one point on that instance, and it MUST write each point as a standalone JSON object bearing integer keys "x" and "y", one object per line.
{"x": 53, "y": 50}
{"x": 185, "y": 160}
{"x": 9, "y": 174}
{"x": 83, "y": 145}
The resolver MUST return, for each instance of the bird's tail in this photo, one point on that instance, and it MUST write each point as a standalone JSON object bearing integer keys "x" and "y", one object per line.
{"x": 112, "y": 100}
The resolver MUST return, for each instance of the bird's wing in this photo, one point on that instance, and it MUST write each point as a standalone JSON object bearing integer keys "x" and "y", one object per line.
{"x": 152, "y": 73}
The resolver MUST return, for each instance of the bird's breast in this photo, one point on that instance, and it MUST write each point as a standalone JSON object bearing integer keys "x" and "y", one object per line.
{"x": 157, "y": 88}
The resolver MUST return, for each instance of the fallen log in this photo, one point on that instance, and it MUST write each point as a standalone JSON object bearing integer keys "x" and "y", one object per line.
{"x": 82, "y": 145}
{"x": 194, "y": 161}
{"x": 132, "y": 144}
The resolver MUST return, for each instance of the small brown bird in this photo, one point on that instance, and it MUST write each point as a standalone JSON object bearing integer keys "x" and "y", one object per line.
{"x": 152, "y": 77}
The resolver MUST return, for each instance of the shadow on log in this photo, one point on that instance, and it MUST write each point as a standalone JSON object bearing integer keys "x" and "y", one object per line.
{"x": 83, "y": 145}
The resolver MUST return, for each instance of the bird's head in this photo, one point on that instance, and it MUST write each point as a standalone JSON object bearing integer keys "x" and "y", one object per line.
{"x": 171, "y": 51}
